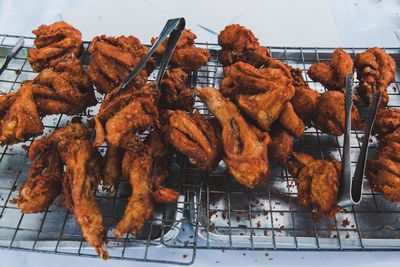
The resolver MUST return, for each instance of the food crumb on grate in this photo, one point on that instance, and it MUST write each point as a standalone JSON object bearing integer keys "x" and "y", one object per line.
{"x": 345, "y": 222}
{"x": 184, "y": 256}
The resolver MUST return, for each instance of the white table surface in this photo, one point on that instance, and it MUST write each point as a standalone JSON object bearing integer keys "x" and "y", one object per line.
{"x": 277, "y": 23}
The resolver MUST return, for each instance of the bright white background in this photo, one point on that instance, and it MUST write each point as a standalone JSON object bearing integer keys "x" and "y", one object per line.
{"x": 277, "y": 23}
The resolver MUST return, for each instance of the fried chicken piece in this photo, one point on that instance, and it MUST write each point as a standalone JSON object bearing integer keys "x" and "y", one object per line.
{"x": 44, "y": 182}
{"x": 124, "y": 113}
{"x": 240, "y": 44}
{"x": 113, "y": 58}
{"x": 304, "y": 102}
{"x": 195, "y": 137}
{"x": 174, "y": 92}
{"x": 83, "y": 167}
{"x": 186, "y": 56}
{"x": 112, "y": 167}
{"x": 290, "y": 121}
{"x": 20, "y": 118}
{"x": 260, "y": 93}
{"x": 64, "y": 88}
{"x": 383, "y": 172}
{"x": 317, "y": 183}
{"x": 387, "y": 121}
{"x": 333, "y": 74}
{"x": 54, "y": 43}
{"x": 281, "y": 145}
{"x": 330, "y": 116}
{"x": 246, "y": 148}
{"x": 375, "y": 71}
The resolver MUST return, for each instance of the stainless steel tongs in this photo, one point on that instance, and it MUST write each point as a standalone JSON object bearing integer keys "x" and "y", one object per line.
{"x": 12, "y": 53}
{"x": 173, "y": 28}
{"x": 351, "y": 187}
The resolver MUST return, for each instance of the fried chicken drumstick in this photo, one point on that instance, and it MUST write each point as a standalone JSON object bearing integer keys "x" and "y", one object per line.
{"x": 54, "y": 43}
{"x": 375, "y": 71}
{"x": 19, "y": 116}
{"x": 186, "y": 56}
{"x": 113, "y": 58}
{"x": 317, "y": 183}
{"x": 333, "y": 74}
{"x": 195, "y": 137}
{"x": 240, "y": 44}
{"x": 387, "y": 121}
{"x": 246, "y": 148}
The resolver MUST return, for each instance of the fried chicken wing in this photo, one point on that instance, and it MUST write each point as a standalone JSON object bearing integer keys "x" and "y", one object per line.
{"x": 112, "y": 167}
{"x": 333, "y": 74}
{"x": 375, "y": 71}
{"x": 113, "y": 58}
{"x": 54, "y": 43}
{"x": 186, "y": 56}
{"x": 195, "y": 137}
{"x": 304, "y": 102}
{"x": 246, "y": 148}
{"x": 387, "y": 121}
{"x": 44, "y": 182}
{"x": 20, "y": 118}
{"x": 64, "y": 88}
{"x": 383, "y": 172}
{"x": 317, "y": 183}
{"x": 329, "y": 113}
{"x": 290, "y": 121}
{"x": 174, "y": 92}
{"x": 240, "y": 44}
{"x": 281, "y": 145}
{"x": 82, "y": 163}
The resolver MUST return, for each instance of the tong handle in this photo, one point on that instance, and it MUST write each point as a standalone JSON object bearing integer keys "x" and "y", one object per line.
{"x": 174, "y": 28}
{"x": 12, "y": 53}
{"x": 345, "y": 181}
{"x": 357, "y": 184}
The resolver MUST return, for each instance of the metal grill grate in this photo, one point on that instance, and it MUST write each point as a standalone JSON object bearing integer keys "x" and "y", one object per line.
{"x": 213, "y": 211}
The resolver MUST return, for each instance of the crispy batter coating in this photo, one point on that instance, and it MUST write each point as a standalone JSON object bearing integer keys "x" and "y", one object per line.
{"x": 83, "y": 167}
{"x": 333, "y": 74}
{"x": 44, "y": 182}
{"x": 375, "y": 71}
{"x": 260, "y": 93}
{"x": 20, "y": 117}
{"x": 186, "y": 56}
{"x": 329, "y": 114}
{"x": 387, "y": 121}
{"x": 113, "y": 58}
{"x": 112, "y": 167}
{"x": 317, "y": 183}
{"x": 64, "y": 88}
{"x": 54, "y": 43}
{"x": 281, "y": 145}
{"x": 383, "y": 172}
{"x": 240, "y": 44}
{"x": 304, "y": 102}
{"x": 175, "y": 94}
{"x": 124, "y": 113}
{"x": 290, "y": 121}
{"x": 246, "y": 148}
{"x": 195, "y": 137}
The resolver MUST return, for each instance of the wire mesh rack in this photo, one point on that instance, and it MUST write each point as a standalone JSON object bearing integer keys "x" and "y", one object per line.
{"x": 213, "y": 211}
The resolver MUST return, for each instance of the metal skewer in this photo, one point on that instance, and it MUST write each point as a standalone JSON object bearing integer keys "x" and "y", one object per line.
{"x": 351, "y": 186}
{"x": 12, "y": 53}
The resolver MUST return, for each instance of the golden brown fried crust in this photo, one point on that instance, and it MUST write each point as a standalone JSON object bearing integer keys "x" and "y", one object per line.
{"x": 20, "y": 118}
{"x": 290, "y": 121}
{"x": 83, "y": 167}
{"x": 333, "y": 74}
{"x": 304, "y": 102}
{"x": 113, "y": 58}
{"x": 246, "y": 148}
{"x": 64, "y": 88}
{"x": 240, "y": 44}
{"x": 317, "y": 183}
{"x": 195, "y": 137}
{"x": 375, "y": 71}
{"x": 174, "y": 92}
{"x": 281, "y": 145}
{"x": 383, "y": 172}
{"x": 329, "y": 114}
{"x": 260, "y": 93}
{"x": 387, "y": 121}
{"x": 112, "y": 167}
{"x": 43, "y": 184}
{"x": 54, "y": 43}
{"x": 186, "y": 56}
